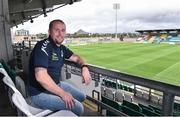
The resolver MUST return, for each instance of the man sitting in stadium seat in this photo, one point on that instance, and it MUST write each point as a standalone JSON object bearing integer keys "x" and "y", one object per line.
{"x": 46, "y": 61}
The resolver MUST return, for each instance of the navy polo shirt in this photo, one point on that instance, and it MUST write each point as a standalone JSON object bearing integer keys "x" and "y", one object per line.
{"x": 48, "y": 55}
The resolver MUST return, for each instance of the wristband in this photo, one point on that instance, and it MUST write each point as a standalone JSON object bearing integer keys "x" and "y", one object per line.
{"x": 84, "y": 66}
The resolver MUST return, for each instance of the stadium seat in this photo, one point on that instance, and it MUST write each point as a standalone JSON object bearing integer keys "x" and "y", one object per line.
{"x": 131, "y": 112}
{"x": 130, "y": 89}
{"x": 125, "y": 87}
{"x": 120, "y": 86}
{"x": 145, "y": 95}
{"x": 110, "y": 93}
{"x": 107, "y": 83}
{"x": 132, "y": 106}
{"x": 160, "y": 100}
{"x": 20, "y": 85}
{"x": 156, "y": 109}
{"x": 149, "y": 112}
{"x": 113, "y": 84}
{"x": 2, "y": 70}
{"x": 11, "y": 88}
{"x": 9, "y": 71}
{"x": 138, "y": 93}
{"x": 154, "y": 99}
{"x": 119, "y": 96}
{"x": 21, "y": 104}
{"x": 1, "y": 66}
{"x": 7, "y": 80}
{"x": 177, "y": 106}
{"x": 111, "y": 103}
{"x": 103, "y": 91}
{"x": 147, "y": 107}
{"x": 128, "y": 97}
{"x": 33, "y": 108}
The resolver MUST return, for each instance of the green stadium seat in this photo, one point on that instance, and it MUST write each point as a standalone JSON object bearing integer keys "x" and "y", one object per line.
{"x": 156, "y": 109}
{"x": 10, "y": 71}
{"x": 176, "y": 114}
{"x": 107, "y": 83}
{"x": 131, "y": 112}
{"x": 120, "y": 86}
{"x": 1, "y": 66}
{"x": 132, "y": 106}
{"x": 111, "y": 103}
{"x": 176, "y": 106}
{"x": 12, "y": 74}
{"x": 147, "y": 107}
{"x": 113, "y": 84}
{"x": 125, "y": 87}
{"x": 149, "y": 112}
{"x": 5, "y": 66}
{"x": 130, "y": 89}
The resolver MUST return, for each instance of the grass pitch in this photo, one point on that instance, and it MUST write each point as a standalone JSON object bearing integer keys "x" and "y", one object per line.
{"x": 159, "y": 62}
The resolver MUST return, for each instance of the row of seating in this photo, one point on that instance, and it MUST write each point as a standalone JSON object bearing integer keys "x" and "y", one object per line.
{"x": 129, "y": 108}
{"x": 123, "y": 108}
{"x": 138, "y": 93}
{"x": 156, "y": 99}
{"x": 133, "y": 109}
{"x": 17, "y": 99}
{"x": 116, "y": 95}
{"x": 113, "y": 84}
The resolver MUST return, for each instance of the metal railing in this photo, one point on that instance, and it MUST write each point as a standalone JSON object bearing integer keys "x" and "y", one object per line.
{"x": 169, "y": 91}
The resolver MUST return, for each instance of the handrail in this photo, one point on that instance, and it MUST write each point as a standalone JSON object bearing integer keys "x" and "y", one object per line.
{"x": 169, "y": 91}
{"x": 157, "y": 85}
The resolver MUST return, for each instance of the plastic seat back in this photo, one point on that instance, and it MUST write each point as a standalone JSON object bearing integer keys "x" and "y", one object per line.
{"x": 21, "y": 103}
{"x": 20, "y": 85}
{"x": 7, "y": 80}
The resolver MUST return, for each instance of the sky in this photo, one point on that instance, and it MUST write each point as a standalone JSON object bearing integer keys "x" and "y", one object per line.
{"x": 98, "y": 16}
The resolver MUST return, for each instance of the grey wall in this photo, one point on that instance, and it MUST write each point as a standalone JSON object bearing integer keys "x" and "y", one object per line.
{"x": 6, "y": 51}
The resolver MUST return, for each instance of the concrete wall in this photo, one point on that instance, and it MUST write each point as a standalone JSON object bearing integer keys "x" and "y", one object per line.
{"x": 6, "y": 51}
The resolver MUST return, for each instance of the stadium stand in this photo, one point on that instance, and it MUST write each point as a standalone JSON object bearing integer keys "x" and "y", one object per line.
{"x": 160, "y": 36}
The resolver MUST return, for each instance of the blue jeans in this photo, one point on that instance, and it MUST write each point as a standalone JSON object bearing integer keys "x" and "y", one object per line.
{"x": 47, "y": 100}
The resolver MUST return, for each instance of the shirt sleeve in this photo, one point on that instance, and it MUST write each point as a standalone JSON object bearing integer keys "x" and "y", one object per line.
{"x": 40, "y": 56}
{"x": 67, "y": 52}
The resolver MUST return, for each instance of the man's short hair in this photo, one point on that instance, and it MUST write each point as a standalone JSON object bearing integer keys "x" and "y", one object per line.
{"x": 57, "y": 20}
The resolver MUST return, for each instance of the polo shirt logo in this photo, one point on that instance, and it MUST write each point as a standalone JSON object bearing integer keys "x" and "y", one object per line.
{"x": 43, "y": 48}
{"x": 54, "y": 57}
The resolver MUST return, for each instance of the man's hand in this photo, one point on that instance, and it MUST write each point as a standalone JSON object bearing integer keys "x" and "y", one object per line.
{"x": 85, "y": 71}
{"x": 86, "y": 75}
{"x": 68, "y": 99}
